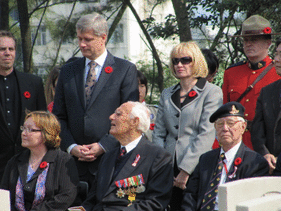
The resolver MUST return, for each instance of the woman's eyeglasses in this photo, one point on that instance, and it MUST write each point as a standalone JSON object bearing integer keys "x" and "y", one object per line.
{"x": 183, "y": 60}
{"x": 28, "y": 130}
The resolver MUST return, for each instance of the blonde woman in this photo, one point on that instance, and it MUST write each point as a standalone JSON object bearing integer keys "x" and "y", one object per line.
{"x": 182, "y": 124}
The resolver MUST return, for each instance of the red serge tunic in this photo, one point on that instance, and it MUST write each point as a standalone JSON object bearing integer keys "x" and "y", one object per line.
{"x": 237, "y": 78}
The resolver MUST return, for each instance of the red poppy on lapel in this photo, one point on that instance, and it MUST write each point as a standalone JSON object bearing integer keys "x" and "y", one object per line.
{"x": 192, "y": 93}
{"x": 43, "y": 165}
{"x": 267, "y": 30}
{"x": 237, "y": 161}
{"x": 108, "y": 69}
{"x": 27, "y": 94}
{"x": 152, "y": 126}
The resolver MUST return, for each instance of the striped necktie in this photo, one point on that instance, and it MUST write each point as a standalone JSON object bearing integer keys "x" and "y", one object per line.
{"x": 209, "y": 200}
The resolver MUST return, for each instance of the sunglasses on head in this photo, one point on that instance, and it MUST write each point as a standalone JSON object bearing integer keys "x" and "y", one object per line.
{"x": 183, "y": 60}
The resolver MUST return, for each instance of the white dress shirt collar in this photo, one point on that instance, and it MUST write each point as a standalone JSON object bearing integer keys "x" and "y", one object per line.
{"x": 100, "y": 60}
{"x": 129, "y": 147}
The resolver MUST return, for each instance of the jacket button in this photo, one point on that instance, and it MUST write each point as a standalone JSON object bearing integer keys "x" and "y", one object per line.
{"x": 177, "y": 127}
{"x": 176, "y": 138}
{"x": 177, "y": 115}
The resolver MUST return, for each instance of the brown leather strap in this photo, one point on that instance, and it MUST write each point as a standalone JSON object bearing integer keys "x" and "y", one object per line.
{"x": 249, "y": 88}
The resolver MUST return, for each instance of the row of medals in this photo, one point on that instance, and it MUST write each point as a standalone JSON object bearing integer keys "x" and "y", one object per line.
{"x": 130, "y": 191}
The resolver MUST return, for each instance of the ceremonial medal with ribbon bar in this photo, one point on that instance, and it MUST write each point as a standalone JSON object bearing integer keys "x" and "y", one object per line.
{"x": 130, "y": 186}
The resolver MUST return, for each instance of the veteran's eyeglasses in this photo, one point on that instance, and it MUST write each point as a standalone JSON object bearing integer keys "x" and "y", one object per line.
{"x": 183, "y": 60}
{"x": 230, "y": 123}
{"x": 28, "y": 130}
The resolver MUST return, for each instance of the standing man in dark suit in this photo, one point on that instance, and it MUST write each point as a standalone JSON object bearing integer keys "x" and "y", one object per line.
{"x": 136, "y": 175}
{"x": 88, "y": 92}
{"x": 233, "y": 161}
{"x": 18, "y": 92}
{"x": 266, "y": 136}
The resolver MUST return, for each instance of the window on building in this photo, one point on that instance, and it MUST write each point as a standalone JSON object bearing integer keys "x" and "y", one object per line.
{"x": 118, "y": 35}
{"x": 41, "y": 36}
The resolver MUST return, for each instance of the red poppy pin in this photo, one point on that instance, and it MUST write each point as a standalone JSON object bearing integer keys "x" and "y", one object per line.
{"x": 192, "y": 93}
{"x": 27, "y": 94}
{"x": 152, "y": 126}
{"x": 108, "y": 69}
{"x": 43, "y": 165}
{"x": 237, "y": 161}
{"x": 267, "y": 30}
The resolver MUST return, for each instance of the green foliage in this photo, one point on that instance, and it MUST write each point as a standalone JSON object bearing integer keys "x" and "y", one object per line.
{"x": 167, "y": 29}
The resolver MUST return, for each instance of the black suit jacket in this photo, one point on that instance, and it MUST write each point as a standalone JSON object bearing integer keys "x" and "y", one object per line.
{"x": 34, "y": 85}
{"x": 252, "y": 165}
{"x": 155, "y": 165}
{"x": 86, "y": 125}
{"x": 266, "y": 126}
{"x": 61, "y": 181}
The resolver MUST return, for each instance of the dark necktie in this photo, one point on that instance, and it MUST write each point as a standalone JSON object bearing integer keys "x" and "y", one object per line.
{"x": 90, "y": 81}
{"x": 122, "y": 152}
{"x": 209, "y": 200}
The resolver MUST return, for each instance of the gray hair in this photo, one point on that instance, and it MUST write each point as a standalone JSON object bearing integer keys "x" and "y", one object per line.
{"x": 93, "y": 22}
{"x": 143, "y": 113}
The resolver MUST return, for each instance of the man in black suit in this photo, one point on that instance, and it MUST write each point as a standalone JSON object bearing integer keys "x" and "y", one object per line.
{"x": 18, "y": 92}
{"x": 233, "y": 161}
{"x": 266, "y": 127}
{"x": 82, "y": 108}
{"x": 140, "y": 177}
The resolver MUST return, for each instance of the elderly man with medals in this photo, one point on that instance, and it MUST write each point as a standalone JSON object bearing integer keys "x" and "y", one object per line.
{"x": 137, "y": 175}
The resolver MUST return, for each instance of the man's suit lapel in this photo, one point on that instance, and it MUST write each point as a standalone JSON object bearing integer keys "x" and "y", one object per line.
{"x": 232, "y": 173}
{"x": 128, "y": 168}
{"x": 78, "y": 68}
{"x": 22, "y": 88}
{"x": 107, "y": 173}
{"x": 109, "y": 62}
{"x": 210, "y": 167}
{"x": 275, "y": 101}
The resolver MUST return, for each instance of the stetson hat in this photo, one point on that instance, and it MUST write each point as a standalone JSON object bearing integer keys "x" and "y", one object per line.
{"x": 256, "y": 25}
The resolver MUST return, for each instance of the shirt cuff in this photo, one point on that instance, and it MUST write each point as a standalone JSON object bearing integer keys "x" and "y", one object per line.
{"x": 70, "y": 148}
{"x": 101, "y": 147}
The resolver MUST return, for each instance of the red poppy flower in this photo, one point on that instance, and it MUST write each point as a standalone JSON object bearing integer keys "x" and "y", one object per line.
{"x": 43, "y": 165}
{"x": 108, "y": 69}
{"x": 237, "y": 161}
{"x": 27, "y": 94}
{"x": 152, "y": 126}
{"x": 192, "y": 93}
{"x": 267, "y": 30}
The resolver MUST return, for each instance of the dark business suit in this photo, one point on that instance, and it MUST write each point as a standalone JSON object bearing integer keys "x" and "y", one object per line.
{"x": 252, "y": 165}
{"x": 26, "y": 83}
{"x": 266, "y": 126}
{"x": 155, "y": 164}
{"x": 61, "y": 181}
{"x": 87, "y": 125}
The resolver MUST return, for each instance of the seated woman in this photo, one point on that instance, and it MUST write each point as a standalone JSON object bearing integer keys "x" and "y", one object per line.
{"x": 42, "y": 177}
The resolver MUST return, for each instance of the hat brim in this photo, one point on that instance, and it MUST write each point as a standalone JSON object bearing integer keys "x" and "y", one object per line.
{"x": 249, "y": 35}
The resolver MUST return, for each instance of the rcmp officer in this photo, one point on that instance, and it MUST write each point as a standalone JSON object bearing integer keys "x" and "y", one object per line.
{"x": 256, "y": 34}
